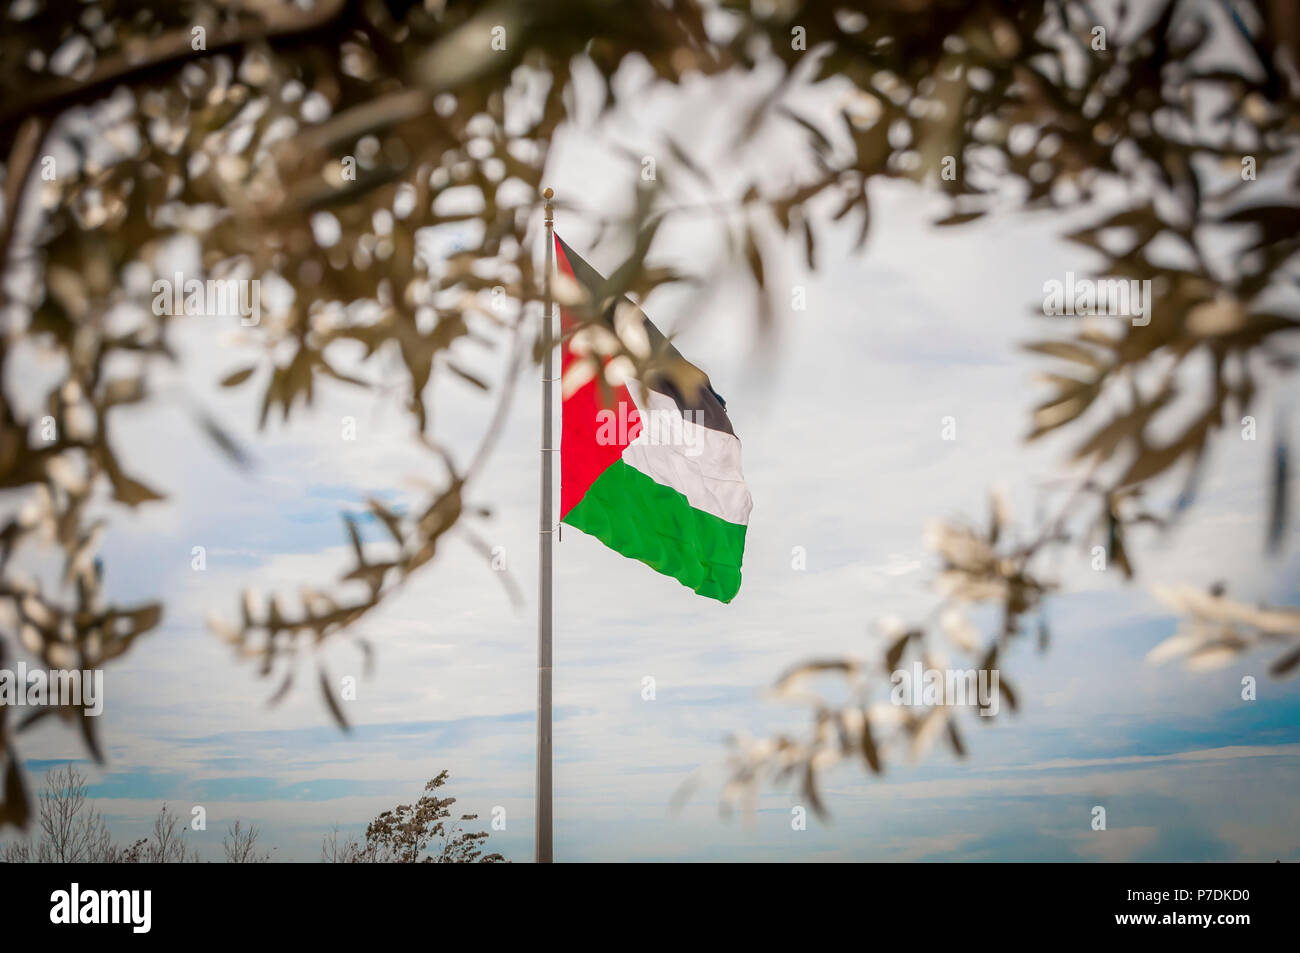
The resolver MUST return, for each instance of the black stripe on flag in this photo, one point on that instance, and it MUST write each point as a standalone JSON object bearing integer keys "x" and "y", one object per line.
{"x": 685, "y": 383}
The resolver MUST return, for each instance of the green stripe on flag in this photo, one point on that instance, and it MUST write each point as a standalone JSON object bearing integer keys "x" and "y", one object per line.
{"x": 632, "y": 514}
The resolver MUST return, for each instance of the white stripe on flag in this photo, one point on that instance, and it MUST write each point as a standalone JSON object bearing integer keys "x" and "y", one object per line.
{"x": 701, "y": 464}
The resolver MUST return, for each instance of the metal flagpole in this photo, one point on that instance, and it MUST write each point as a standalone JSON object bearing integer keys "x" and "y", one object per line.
{"x": 543, "y": 830}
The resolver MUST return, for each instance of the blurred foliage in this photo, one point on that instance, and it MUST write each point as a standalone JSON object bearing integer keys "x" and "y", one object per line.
{"x": 312, "y": 145}
{"x": 1179, "y": 138}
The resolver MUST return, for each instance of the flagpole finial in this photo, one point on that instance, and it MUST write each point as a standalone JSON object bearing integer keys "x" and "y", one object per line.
{"x": 549, "y": 194}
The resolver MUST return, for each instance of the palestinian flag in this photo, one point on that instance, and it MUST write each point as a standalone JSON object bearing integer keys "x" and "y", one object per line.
{"x": 649, "y": 467}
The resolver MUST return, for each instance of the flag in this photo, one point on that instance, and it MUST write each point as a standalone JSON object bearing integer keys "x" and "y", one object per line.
{"x": 649, "y": 467}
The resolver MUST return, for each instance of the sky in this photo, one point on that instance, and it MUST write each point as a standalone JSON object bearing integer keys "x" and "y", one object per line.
{"x": 841, "y": 419}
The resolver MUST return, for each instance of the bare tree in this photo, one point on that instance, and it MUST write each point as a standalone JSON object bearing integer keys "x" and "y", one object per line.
{"x": 348, "y": 850}
{"x": 240, "y": 845}
{"x": 166, "y": 844}
{"x": 69, "y": 829}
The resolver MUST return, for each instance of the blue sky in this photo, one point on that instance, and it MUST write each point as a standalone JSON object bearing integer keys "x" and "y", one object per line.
{"x": 841, "y": 430}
